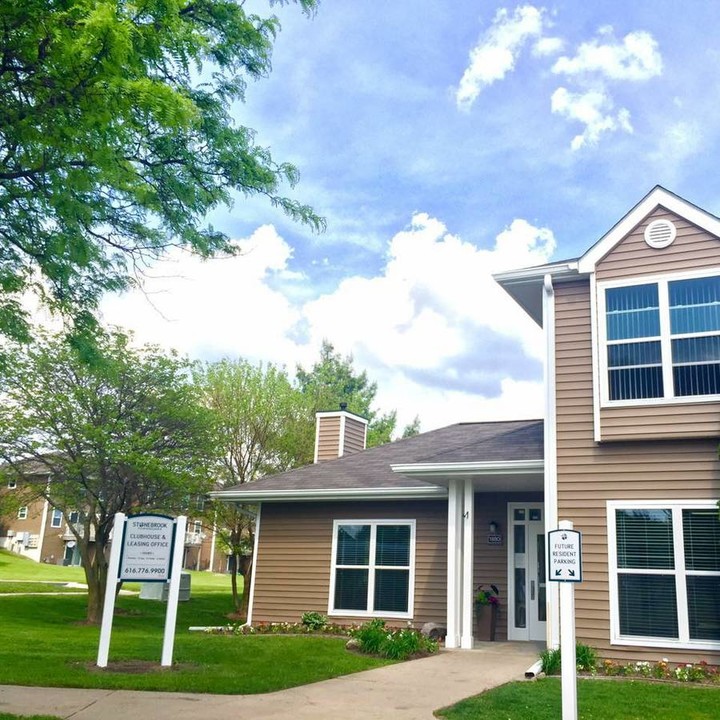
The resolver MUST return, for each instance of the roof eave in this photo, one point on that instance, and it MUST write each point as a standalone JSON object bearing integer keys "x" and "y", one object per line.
{"x": 255, "y": 496}
{"x": 505, "y": 467}
{"x": 525, "y": 286}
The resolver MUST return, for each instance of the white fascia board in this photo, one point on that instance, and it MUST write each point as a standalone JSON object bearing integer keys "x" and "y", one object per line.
{"x": 536, "y": 273}
{"x": 341, "y": 414}
{"x": 657, "y": 196}
{"x": 508, "y": 467}
{"x": 253, "y": 496}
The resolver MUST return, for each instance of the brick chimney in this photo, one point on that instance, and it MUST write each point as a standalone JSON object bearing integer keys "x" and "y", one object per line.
{"x": 338, "y": 433}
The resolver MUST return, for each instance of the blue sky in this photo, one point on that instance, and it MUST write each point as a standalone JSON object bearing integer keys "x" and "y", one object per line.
{"x": 443, "y": 141}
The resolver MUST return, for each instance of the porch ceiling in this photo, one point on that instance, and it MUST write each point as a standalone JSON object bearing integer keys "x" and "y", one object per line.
{"x": 510, "y": 476}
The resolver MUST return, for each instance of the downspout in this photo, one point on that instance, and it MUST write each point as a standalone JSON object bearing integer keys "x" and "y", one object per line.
{"x": 550, "y": 474}
{"x": 253, "y": 581}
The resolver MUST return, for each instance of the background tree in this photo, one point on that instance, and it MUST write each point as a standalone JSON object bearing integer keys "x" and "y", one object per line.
{"x": 263, "y": 428}
{"x": 125, "y": 434}
{"x": 116, "y": 139}
{"x": 333, "y": 380}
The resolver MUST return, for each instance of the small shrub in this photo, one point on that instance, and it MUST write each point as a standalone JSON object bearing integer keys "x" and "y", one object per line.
{"x": 375, "y": 638}
{"x": 314, "y": 620}
{"x": 371, "y": 636}
{"x": 550, "y": 660}
{"x": 585, "y": 657}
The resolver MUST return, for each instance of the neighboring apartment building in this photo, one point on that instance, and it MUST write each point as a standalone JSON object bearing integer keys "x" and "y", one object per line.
{"x": 628, "y": 451}
{"x": 36, "y": 530}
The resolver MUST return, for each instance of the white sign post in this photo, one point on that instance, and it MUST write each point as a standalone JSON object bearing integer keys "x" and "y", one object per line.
{"x": 145, "y": 548}
{"x": 565, "y": 567}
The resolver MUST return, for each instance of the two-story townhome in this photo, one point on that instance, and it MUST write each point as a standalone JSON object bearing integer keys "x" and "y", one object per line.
{"x": 627, "y": 450}
{"x": 30, "y": 526}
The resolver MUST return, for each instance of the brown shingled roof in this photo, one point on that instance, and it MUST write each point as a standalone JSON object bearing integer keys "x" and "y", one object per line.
{"x": 371, "y": 468}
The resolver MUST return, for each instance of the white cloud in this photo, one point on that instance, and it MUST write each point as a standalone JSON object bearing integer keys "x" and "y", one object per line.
{"x": 215, "y": 307}
{"x": 594, "y": 109}
{"x": 636, "y": 58}
{"x": 496, "y": 53}
{"x": 548, "y": 46}
{"x": 678, "y": 142}
{"x": 435, "y": 331}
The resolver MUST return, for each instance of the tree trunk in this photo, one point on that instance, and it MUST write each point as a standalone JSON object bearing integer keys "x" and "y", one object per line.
{"x": 95, "y": 567}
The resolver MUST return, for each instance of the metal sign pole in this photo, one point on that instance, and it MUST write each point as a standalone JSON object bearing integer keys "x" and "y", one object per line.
{"x": 110, "y": 587}
{"x": 173, "y": 591}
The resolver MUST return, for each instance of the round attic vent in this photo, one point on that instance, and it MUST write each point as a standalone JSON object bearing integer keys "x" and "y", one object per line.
{"x": 660, "y": 233}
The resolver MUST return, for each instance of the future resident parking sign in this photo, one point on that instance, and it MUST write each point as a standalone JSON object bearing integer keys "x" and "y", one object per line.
{"x": 565, "y": 556}
{"x": 147, "y": 547}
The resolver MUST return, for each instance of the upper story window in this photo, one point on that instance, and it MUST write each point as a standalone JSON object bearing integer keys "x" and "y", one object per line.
{"x": 57, "y": 517}
{"x": 12, "y": 484}
{"x": 22, "y": 512}
{"x": 663, "y": 339}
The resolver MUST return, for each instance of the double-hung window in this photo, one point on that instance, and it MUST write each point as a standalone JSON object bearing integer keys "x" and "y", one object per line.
{"x": 662, "y": 339}
{"x": 665, "y": 573}
{"x": 372, "y": 568}
{"x": 57, "y": 517}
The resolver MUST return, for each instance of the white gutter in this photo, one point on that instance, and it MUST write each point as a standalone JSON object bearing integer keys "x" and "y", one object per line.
{"x": 541, "y": 272}
{"x": 550, "y": 481}
{"x": 507, "y": 467}
{"x": 252, "y": 496}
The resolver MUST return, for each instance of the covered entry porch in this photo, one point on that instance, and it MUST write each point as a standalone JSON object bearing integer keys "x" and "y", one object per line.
{"x": 496, "y": 525}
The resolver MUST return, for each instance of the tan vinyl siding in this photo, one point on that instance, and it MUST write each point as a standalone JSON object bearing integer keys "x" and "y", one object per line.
{"x": 294, "y": 556}
{"x": 590, "y": 474}
{"x": 328, "y": 438}
{"x": 354, "y": 436}
{"x": 697, "y": 420}
{"x": 692, "y": 249}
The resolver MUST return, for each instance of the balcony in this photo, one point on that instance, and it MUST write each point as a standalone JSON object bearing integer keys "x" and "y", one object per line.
{"x": 194, "y": 538}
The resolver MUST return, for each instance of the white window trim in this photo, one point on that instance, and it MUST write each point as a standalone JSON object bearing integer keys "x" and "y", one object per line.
{"x": 662, "y": 281}
{"x": 12, "y": 484}
{"x": 676, "y": 506}
{"x": 332, "y": 611}
{"x": 52, "y": 519}
{"x": 22, "y": 512}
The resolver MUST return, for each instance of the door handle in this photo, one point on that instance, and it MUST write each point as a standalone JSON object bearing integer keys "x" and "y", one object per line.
{"x": 532, "y": 589}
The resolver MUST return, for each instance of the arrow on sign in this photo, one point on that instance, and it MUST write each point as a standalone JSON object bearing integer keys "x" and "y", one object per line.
{"x": 558, "y": 573}
{"x": 572, "y": 572}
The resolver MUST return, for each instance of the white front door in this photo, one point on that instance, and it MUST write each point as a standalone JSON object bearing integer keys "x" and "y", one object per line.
{"x": 526, "y": 572}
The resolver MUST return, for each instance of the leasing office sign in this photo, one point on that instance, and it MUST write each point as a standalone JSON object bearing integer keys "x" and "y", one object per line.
{"x": 147, "y": 547}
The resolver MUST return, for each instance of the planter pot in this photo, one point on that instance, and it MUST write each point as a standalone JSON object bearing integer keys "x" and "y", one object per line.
{"x": 485, "y": 622}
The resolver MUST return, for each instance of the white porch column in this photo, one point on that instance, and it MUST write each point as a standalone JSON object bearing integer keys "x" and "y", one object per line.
{"x": 466, "y": 638}
{"x": 454, "y": 556}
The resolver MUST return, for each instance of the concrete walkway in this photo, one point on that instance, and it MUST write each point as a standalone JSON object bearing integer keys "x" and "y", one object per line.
{"x": 406, "y": 691}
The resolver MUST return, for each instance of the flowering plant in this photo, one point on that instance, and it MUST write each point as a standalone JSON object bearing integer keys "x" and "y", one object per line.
{"x": 487, "y": 597}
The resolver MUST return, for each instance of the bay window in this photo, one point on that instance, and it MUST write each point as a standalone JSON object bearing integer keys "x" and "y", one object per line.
{"x": 665, "y": 573}
{"x": 662, "y": 339}
{"x": 372, "y": 568}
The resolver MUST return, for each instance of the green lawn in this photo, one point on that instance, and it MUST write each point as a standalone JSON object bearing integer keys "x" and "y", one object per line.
{"x": 10, "y": 586}
{"x": 8, "y": 716}
{"x": 597, "y": 700}
{"x": 43, "y": 641}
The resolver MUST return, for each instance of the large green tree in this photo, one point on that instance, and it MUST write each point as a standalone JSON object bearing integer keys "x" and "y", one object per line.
{"x": 116, "y": 139}
{"x": 263, "y": 427}
{"x": 333, "y": 380}
{"x": 124, "y": 434}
